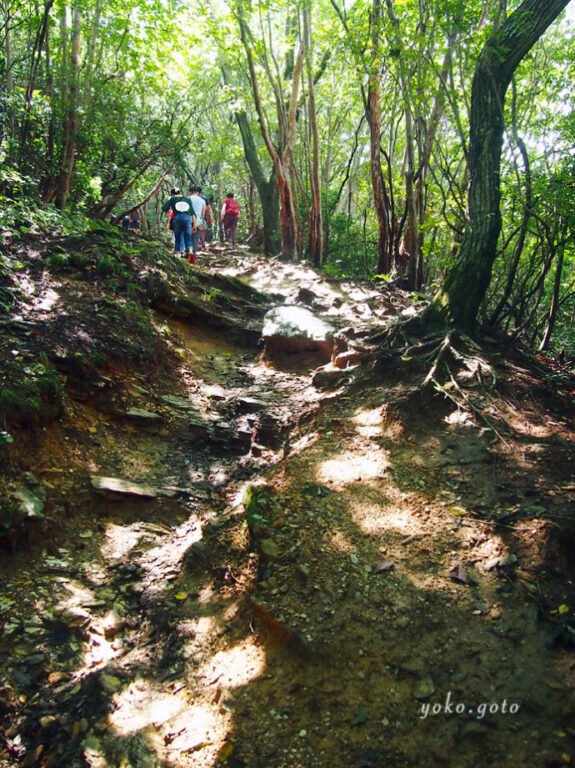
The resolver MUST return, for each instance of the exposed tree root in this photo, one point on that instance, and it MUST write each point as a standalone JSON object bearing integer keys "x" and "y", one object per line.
{"x": 455, "y": 366}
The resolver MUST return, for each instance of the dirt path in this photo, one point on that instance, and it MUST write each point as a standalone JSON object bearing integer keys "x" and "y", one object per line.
{"x": 299, "y": 578}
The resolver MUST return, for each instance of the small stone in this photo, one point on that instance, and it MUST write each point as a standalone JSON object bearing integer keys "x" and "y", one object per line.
{"x": 112, "y": 625}
{"x": 424, "y": 688}
{"x": 269, "y": 548}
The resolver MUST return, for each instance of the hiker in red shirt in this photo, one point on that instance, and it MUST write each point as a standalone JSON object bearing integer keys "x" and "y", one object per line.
{"x": 229, "y": 217}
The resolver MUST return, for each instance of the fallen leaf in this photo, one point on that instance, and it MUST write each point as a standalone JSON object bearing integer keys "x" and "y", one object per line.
{"x": 225, "y": 753}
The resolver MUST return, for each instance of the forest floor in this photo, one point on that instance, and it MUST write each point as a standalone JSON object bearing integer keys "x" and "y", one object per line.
{"x": 243, "y": 562}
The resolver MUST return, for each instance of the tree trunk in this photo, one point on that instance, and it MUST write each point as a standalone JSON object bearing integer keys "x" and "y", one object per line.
{"x": 30, "y": 87}
{"x": 267, "y": 187}
{"x": 70, "y": 118}
{"x": 281, "y": 157}
{"x": 409, "y": 248}
{"x": 373, "y": 109}
{"x": 554, "y": 302}
{"x": 251, "y": 208}
{"x": 527, "y": 211}
{"x": 464, "y": 288}
{"x": 315, "y": 224}
{"x": 8, "y": 64}
{"x": 143, "y": 204}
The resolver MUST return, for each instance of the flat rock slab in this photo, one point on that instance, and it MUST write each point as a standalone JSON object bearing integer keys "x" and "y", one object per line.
{"x": 140, "y": 413}
{"x": 296, "y": 329}
{"x": 250, "y": 404}
{"x": 179, "y": 402}
{"x": 127, "y": 487}
{"x": 31, "y": 503}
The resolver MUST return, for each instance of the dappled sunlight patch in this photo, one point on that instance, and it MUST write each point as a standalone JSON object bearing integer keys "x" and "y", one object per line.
{"x": 100, "y": 651}
{"x": 459, "y": 418}
{"x": 236, "y": 666}
{"x": 399, "y": 518}
{"x": 370, "y": 518}
{"x": 78, "y": 596}
{"x": 47, "y": 301}
{"x": 305, "y": 442}
{"x": 352, "y": 467}
{"x": 144, "y": 703}
{"x": 76, "y": 610}
{"x": 340, "y": 542}
{"x": 520, "y": 422}
{"x": 369, "y": 421}
{"x": 120, "y": 540}
{"x": 207, "y": 594}
{"x": 202, "y": 627}
{"x": 163, "y": 562}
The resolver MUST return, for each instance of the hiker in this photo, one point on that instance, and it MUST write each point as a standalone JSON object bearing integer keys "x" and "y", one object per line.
{"x": 170, "y": 224}
{"x": 125, "y": 222}
{"x": 182, "y": 209}
{"x": 229, "y": 216}
{"x": 134, "y": 222}
{"x": 208, "y": 216}
{"x": 199, "y": 222}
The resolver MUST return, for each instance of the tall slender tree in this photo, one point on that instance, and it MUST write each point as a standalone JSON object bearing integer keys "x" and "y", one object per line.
{"x": 458, "y": 300}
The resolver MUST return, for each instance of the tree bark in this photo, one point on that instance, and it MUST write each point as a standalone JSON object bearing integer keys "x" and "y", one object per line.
{"x": 31, "y": 85}
{"x": 409, "y": 248}
{"x": 464, "y": 288}
{"x": 267, "y": 187}
{"x": 527, "y": 211}
{"x": 554, "y": 302}
{"x": 373, "y": 109}
{"x": 70, "y": 115}
{"x": 315, "y": 224}
{"x": 282, "y": 156}
{"x": 8, "y": 64}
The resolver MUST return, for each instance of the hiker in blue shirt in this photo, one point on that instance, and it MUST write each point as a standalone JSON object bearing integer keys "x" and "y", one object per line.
{"x": 199, "y": 223}
{"x": 183, "y": 209}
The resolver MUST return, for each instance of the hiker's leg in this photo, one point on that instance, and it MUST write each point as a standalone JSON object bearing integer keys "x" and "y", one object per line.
{"x": 195, "y": 241}
{"x": 188, "y": 234}
{"x": 179, "y": 233}
{"x": 233, "y": 225}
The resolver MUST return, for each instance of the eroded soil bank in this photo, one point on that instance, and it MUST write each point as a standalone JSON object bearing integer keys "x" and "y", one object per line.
{"x": 245, "y": 562}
